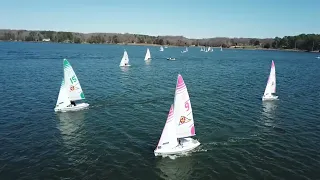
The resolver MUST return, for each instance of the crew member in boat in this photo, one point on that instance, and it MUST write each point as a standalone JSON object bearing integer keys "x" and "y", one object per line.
{"x": 73, "y": 103}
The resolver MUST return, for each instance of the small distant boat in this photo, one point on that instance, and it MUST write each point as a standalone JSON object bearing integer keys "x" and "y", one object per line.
{"x": 318, "y": 57}
{"x": 271, "y": 85}
{"x": 161, "y": 48}
{"x": 70, "y": 91}
{"x": 184, "y": 51}
{"x": 148, "y": 55}
{"x": 165, "y": 46}
{"x": 220, "y": 48}
{"x": 171, "y": 59}
{"x": 125, "y": 60}
{"x": 201, "y": 49}
{"x": 179, "y": 128}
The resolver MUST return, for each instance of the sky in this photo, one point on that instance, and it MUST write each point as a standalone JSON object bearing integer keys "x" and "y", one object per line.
{"x": 189, "y": 18}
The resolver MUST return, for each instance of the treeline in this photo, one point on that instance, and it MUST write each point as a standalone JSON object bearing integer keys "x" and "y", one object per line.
{"x": 306, "y": 42}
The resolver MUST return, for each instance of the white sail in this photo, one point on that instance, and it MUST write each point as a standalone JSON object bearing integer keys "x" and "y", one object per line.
{"x": 168, "y": 137}
{"x": 161, "y": 48}
{"x": 148, "y": 55}
{"x": 72, "y": 83}
{"x": 271, "y": 84}
{"x": 183, "y": 111}
{"x": 184, "y": 51}
{"x": 220, "y": 48}
{"x": 63, "y": 100}
{"x": 209, "y": 48}
{"x": 125, "y": 59}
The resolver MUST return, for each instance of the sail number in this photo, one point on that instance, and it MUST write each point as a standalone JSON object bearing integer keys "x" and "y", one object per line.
{"x": 73, "y": 79}
{"x": 187, "y": 105}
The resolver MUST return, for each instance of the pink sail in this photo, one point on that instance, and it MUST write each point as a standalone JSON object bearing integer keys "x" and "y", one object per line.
{"x": 193, "y": 130}
{"x": 182, "y": 110}
{"x": 180, "y": 84}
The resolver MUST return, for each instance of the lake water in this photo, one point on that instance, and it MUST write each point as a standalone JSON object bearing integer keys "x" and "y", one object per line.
{"x": 242, "y": 138}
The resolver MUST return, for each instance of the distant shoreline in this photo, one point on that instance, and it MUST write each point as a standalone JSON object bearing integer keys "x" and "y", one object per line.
{"x": 273, "y": 49}
{"x": 298, "y": 43}
{"x": 158, "y": 45}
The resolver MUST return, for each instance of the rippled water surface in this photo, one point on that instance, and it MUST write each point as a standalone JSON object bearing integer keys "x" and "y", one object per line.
{"x": 242, "y": 138}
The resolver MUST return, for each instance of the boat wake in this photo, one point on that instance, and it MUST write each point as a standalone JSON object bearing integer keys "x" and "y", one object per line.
{"x": 185, "y": 154}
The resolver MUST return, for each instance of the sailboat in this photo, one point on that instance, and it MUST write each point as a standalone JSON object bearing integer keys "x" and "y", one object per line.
{"x": 184, "y": 51}
{"x": 171, "y": 59}
{"x": 179, "y": 127}
{"x": 125, "y": 59}
{"x": 271, "y": 85}
{"x": 220, "y": 48}
{"x": 148, "y": 55}
{"x": 201, "y": 49}
{"x": 70, "y": 91}
{"x": 161, "y": 48}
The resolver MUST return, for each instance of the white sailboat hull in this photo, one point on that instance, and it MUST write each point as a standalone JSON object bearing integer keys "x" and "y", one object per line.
{"x": 125, "y": 65}
{"x": 171, "y": 59}
{"x": 78, "y": 107}
{"x": 269, "y": 98}
{"x": 187, "y": 144}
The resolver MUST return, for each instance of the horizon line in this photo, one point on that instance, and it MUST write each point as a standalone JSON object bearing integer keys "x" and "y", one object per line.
{"x": 139, "y": 34}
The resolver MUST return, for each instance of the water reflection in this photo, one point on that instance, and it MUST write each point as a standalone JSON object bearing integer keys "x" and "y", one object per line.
{"x": 148, "y": 62}
{"x": 71, "y": 126}
{"x": 268, "y": 112}
{"x": 124, "y": 68}
{"x": 175, "y": 169}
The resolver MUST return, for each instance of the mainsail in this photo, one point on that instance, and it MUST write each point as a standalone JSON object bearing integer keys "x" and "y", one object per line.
{"x": 148, "y": 55}
{"x": 182, "y": 110}
{"x": 72, "y": 83}
{"x": 125, "y": 59}
{"x": 271, "y": 84}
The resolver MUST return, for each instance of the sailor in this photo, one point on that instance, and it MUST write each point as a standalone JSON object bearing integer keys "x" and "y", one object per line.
{"x": 73, "y": 103}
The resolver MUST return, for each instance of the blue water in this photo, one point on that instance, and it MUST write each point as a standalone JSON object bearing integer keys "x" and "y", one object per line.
{"x": 242, "y": 138}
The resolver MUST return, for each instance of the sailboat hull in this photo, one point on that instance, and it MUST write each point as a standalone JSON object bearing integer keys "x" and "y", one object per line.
{"x": 78, "y": 107}
{"x": 187, "y": 144}
{"x": 128, "y": 65}
{"x": 269, "y": 98}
